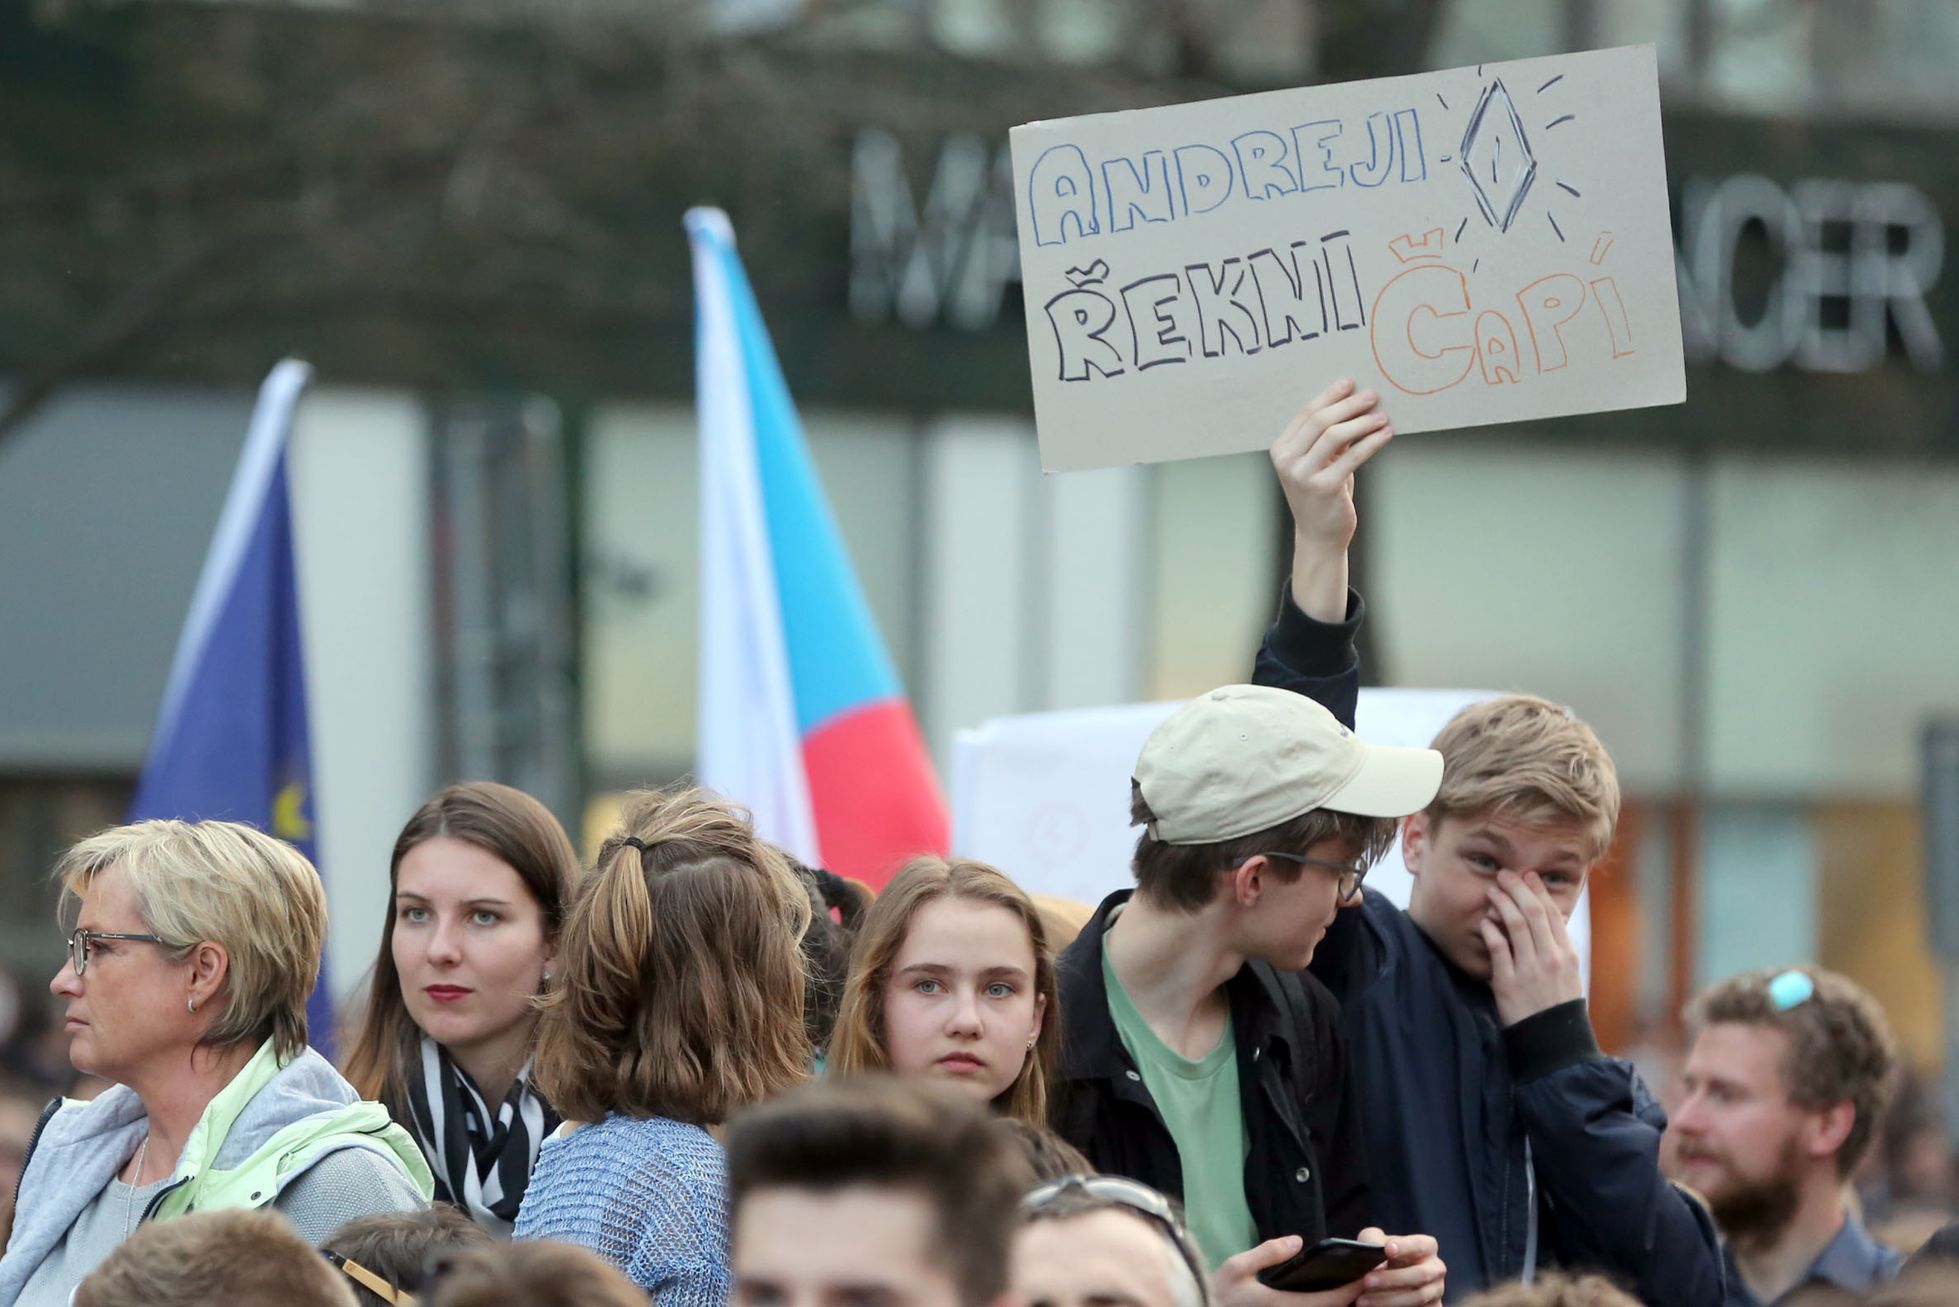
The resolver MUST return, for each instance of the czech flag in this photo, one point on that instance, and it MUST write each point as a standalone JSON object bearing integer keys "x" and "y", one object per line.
{"x": 232, "y": 742}
{"x": 802, "y": 718}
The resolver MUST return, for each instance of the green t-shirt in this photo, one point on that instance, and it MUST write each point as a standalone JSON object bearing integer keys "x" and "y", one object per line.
{"x": 1199, "y": 1103}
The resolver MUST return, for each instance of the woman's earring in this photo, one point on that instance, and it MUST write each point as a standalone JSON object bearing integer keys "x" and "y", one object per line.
{"x": 1031, "y": 1042}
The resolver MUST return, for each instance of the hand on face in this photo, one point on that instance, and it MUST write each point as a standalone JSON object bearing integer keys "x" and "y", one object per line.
{"x": 1533, "y": 963}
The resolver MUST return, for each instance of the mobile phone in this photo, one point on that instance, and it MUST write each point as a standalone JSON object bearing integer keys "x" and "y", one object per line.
{"x": 1328, "y": 1264}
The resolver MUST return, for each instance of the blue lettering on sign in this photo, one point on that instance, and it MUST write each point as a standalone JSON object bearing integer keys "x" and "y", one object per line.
{"x": 1137, "y": 193}
{"x": 1071, "y": 198}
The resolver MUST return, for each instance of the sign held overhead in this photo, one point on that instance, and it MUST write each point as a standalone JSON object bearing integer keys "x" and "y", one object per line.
{"x": 1480, "y": 245}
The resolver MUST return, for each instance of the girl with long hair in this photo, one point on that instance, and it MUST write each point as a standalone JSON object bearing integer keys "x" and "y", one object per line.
{"x": 478, "y": 883}
{"x": 951, "y": 977}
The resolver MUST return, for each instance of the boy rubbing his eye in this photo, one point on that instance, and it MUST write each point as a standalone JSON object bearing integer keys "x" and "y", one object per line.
{"x": 1491, "y": 1118}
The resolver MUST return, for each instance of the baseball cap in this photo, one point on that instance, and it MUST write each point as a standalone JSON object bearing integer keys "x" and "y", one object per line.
{"x": 1245, "y": 758}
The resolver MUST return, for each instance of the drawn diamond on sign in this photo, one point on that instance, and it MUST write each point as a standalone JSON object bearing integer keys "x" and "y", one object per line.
{"x": 1497, "y": 158}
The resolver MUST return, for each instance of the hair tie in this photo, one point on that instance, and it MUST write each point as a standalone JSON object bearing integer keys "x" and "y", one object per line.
{"x": 633, "y": 841}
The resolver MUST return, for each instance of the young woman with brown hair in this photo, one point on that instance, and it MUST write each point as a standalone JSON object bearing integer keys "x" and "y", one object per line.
{"x": 951, "y": 978}
{"x": 680, "y": 1001}
{"x": 478, "y": 882}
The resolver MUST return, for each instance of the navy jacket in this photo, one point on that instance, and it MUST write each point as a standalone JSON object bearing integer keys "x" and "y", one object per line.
{"x": 1305, "y": 1172}
{"x": 1450, "y": 1101}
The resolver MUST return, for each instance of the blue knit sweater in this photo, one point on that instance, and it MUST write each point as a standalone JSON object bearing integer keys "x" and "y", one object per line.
{"x": 649, "y": 1196}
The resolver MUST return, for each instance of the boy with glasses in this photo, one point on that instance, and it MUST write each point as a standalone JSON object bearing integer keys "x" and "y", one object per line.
{"x": 1197, "y": 1057}
{"x": 1492, "y": 1119}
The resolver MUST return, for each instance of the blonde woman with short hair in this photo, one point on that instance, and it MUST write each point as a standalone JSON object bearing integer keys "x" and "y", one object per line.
{"x": 195, "y": 947}
{"x": 679, "y": 1001}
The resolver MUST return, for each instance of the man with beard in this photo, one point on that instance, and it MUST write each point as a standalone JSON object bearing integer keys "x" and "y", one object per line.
{"x": 1786, "y": 1080}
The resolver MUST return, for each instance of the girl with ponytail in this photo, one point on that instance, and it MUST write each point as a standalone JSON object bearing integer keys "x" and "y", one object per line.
{"x": 679, "y": 1001}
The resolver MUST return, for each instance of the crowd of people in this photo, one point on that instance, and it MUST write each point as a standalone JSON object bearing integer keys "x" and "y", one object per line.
{"x": 697, "y": 1071}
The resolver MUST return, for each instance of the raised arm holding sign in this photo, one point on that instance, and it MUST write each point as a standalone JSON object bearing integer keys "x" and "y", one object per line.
{"x": 1478, "y": 245}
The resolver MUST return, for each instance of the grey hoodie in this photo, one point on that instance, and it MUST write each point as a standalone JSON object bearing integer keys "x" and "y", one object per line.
{"x": 82, "y": 1146}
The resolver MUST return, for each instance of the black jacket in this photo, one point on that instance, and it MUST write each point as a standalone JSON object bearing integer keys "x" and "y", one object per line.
{"x": 1450, "y": 1100}
{"x": 1305, "y": 1171}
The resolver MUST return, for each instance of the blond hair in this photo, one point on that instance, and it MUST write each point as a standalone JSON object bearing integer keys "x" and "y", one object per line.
{"x": 225, "y": 882}
{"x": 680, "y": 972}
{"x": 207, "y": 1257}
{"x": 858, "y": 1043}
{"x": 1528, "y": 758}
{"x": 1556, "y": 1291}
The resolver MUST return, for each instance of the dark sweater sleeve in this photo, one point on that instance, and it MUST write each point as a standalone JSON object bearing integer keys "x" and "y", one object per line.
{"x": 1316, "y": 659}
{"x": 1595, "y": 1132}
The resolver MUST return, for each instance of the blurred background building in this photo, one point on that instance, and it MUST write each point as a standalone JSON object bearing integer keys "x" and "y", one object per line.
{"x": 466, "y": 215}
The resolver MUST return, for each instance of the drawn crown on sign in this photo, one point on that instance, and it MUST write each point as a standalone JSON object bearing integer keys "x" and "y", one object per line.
{"x": 1408, "y": 249}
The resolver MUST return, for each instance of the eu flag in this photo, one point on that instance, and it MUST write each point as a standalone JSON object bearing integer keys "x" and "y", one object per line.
{"x": 231, "y": 741}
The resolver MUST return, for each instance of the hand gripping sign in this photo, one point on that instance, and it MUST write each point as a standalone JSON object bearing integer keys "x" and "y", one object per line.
{"x": 1481, "y": 245}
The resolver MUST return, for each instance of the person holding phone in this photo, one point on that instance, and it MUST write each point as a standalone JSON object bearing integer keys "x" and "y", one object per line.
{"x": 1492, "y": 1119}
{"x": 1198, "y": 1057}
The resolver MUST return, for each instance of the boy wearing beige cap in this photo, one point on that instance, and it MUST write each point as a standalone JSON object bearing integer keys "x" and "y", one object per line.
{"x": 1198, "y": 1057}
{"x": 1491, "y": 1117}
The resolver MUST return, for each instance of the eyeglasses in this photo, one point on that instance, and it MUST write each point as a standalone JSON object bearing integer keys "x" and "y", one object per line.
{"x": 80, "y": 940}
{"x": 1138, "y": 1198}
{"x": 1351, "y": 873}
{"x": 368, "y": 1280}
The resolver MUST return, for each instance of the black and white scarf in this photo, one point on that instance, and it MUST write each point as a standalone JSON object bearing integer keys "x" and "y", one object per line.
{"x": 481, "y": 1163}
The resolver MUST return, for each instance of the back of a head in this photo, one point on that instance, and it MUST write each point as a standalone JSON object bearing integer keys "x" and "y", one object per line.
{"x": 826, "y": 946}
{"x": 215, "y": 1257}
{"x": 399, "y": 1246}
{"x": 1841, "y": 1048}
{"x": 1528, "y": 758}
{"x": 680, "y": 974}
{"x": 1047, "y": 1154}
{"x": 883, "y": 1133}
{"x": 1556, "y": 1291}
{"x": 1923, "y": 1283}
{"x": 532, "y": 1273}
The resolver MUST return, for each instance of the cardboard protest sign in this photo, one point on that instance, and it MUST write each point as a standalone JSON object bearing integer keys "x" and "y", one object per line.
{"x": 1481, "y": 245}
